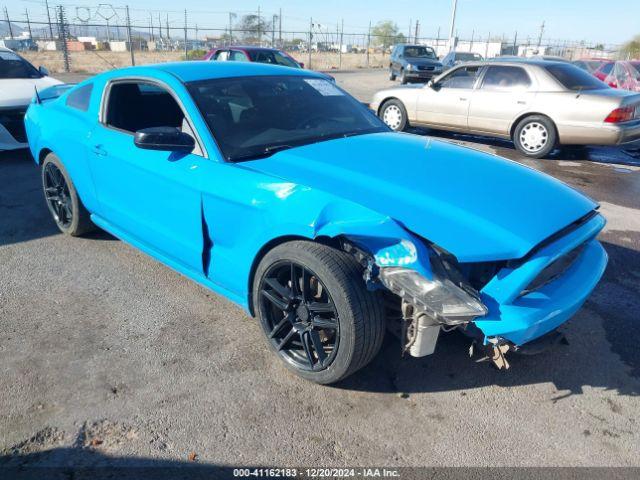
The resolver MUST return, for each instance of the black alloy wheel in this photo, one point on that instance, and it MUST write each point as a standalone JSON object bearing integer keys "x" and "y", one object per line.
{"x": 300, "y": 316}
{"x": 58, "y": 196}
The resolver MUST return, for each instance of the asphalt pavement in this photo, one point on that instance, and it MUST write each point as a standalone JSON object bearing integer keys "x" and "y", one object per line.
{"x": 106, "y": 356}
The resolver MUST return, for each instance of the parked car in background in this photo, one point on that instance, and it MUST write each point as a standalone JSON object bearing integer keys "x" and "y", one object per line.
{"x": 413, "y": 62}
{"x": 253, "y": 54}
{"x": 624, "y": 75}
{"x": 452, "y": 59}
{"x": 347, "y": 228}
{"x": 18, "y": 83}
{"x": 591, "y": 65}
{"x": 603, "y": 71}
{"x": 538, "y": 104}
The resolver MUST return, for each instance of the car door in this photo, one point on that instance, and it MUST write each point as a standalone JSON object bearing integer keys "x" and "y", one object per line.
{"x": 152, "y": 197}
{"x": 503, "y": 94}
{"x": 445, "y": 104}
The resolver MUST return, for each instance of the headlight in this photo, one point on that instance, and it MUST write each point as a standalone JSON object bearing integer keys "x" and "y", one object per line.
{"x": 437, "y": 68}
{"x": 440, "y": 297}
{"x": 409, "y": 67}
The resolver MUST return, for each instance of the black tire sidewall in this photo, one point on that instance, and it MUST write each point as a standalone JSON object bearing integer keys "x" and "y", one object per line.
{"x": 552, "y": 138}
{"x": 405, "y": 120}
{"x": 298, "y": 252}
{"x": 403, "y": 77}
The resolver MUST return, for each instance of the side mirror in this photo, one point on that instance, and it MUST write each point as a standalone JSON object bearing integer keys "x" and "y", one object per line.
{"x": 168, "y": 139}
{"x": 301, "y": 64}
{"x": 43, "y": 71}
{"x": 434, "y": 85}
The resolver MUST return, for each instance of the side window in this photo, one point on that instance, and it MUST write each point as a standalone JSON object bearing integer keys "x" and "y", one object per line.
{"x": 464, "y": 77}
{"x": 606, "y": 69}
{"x": 132, "y": 106}
{"x": 80, "y": 97}
{"x": 238, "y": 56}
{"x": 506, "y": 79}
{"x": 221, "y": 55}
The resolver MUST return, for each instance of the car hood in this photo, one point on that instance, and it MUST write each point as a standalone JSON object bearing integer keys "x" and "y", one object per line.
{"x": 18, "y": 92}
{"x": 479, "y": 207}
{"x": 423, "y": 61}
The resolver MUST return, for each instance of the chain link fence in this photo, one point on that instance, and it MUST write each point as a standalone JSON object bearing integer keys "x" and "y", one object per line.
{"x": 106, "y": 37}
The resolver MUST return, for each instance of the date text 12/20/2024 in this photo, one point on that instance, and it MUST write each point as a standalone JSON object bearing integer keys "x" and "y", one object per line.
{"x": 317, "y": 472}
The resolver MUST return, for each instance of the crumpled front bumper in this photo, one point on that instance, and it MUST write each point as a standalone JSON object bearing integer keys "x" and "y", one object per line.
{"x": 521, "y": 318}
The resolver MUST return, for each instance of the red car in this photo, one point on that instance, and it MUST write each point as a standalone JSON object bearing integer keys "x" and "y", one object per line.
{"x": 253, "y": 54}
{"x": 592, "y": 65}
{"x": 622, "y": 74}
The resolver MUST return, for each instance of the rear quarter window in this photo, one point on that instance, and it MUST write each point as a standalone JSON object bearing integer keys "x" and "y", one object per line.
{"x": 80, "y": 97}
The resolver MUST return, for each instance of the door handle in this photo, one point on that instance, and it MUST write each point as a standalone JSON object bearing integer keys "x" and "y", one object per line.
{"x": 463, "y": 99}
{"x": 99, "y": 150}
{"x": 521, "y": 102}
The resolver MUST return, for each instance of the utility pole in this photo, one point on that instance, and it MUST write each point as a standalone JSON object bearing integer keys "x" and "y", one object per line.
{"x": 310, "y": 39}
{"x": 541, "y": 32}
{"x": 259, "y": 27}
{"x": 129, "y": 39}
{"x": 340, "y": 48}
{"x": 453, "y": 23}
{"x": 46, "y": 3}
{"x": 515, "y": 43}
{"x": 159, "y": 27}
{"x": 368, "y": 42}
{"x": 26, "y": 13}
{"x": 280, "y": 28}
{"x": 273, "y": 30}
{"x": 186, "y": 48}
{"x": 151, "y": 27}
{"x": 415, "y": 35}
{"x": 6, "y": 16}
{"x": 231, "y": 27}
{"x": 168, "y": 33}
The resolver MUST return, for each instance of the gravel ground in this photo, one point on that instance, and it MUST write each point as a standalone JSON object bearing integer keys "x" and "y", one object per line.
{"x": 106, "y": 355}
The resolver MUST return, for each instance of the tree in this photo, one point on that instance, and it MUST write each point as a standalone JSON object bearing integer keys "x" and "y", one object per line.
{"x": 252, "y": 27}
{"x": 386, "y": 33}
{"x": 631, "y": 49}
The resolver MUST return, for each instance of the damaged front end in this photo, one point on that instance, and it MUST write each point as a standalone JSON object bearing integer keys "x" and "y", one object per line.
{"x": 501, "y": 305}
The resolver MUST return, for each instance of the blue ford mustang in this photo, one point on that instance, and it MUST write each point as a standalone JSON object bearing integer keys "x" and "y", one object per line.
{"x": 277, "y": 189}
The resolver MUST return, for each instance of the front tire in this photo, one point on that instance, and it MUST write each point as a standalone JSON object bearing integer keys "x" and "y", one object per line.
{"x": 392, "y": 76}
{"x": 535, "y": 136}
{"x": 403, "y": 77}
{"x": 316, "y": 311}
{"x": 394, "y": 115}
{"x": 62, "y": 199}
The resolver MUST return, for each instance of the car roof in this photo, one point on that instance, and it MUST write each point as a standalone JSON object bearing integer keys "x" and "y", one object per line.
{"x": 521, "y": 60}
{"x": 193, "y": 71}
{"x": 248, "y": 47}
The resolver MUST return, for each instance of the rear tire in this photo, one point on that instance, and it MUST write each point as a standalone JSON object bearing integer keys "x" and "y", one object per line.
{"x": 299, "y": 316}
{"x": 62, "y": 199}
{"x": 535, "y": 136}
{"x": 394, "y": 115}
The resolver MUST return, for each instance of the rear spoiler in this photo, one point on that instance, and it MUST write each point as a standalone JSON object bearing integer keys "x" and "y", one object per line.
{"x": 51, "y": 93}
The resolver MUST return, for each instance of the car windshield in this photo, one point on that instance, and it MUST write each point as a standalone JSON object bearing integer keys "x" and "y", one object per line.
{"x": 466, "y": 56}
{"x": 272, "y": 56}
{"x": 574, "y": 78}
{"x": 634, "y": 69}
{"x": 253, "y": 117}
{"x": 13, "y": 66}
{"x": 419, "y": 51}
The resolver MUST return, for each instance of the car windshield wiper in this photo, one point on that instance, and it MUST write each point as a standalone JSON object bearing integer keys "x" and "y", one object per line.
{"x": 264, "y": 153}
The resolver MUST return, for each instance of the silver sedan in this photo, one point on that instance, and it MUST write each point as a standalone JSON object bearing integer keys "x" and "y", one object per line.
{"x": 538, "y": 104}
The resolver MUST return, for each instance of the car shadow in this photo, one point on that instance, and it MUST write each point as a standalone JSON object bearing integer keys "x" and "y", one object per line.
{"x": 601, "y": 352}
{"x": 24, "y": 214}
{"x": 88, "y": 463}
{"x": 619, "y": 155}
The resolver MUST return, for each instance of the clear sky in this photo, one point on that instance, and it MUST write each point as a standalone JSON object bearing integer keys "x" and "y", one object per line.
{"x": 607, "y": 22}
